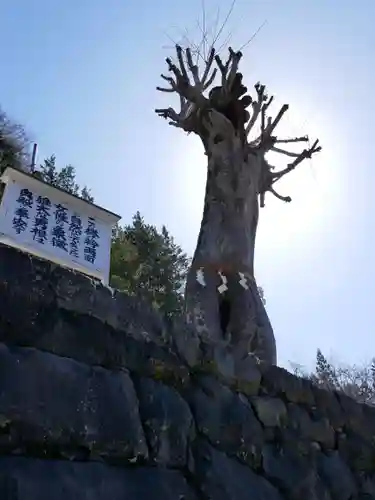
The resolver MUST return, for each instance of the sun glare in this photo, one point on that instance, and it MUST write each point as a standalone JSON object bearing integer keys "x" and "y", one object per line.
{"x": 315, "y": 195}
{"x": 193, "y": 175}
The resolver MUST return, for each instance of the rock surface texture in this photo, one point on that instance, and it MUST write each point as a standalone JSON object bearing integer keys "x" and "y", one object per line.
{"x": 100, "y": 400}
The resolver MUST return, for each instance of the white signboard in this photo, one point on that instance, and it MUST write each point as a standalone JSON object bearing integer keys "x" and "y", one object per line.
{"x": 57, "y": 226}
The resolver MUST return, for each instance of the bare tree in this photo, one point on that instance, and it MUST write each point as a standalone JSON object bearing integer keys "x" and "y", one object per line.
{"x": 222, "y": 300}
{"x": 356, "y": 381}
{"x": 13, "y": 143}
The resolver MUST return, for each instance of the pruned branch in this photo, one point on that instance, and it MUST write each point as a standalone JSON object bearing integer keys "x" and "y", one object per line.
{"x": 234, "y": 60}
{"x": 295, "y": 139}
{"x": 268, "y": 125}
{"x": 229, "y": 69}
{"x": 206, "y": 83}
{"x": 169, "y": 113}
{"x": 179, "y": 120}
{"x": 291, "y": 154}
{"x": 231, "y": 89}
{"x": 263, "y": 123}
{"x": 229, "y": 100}
{"x": 260, "y": 107}
{"x": 269, "y": 177}
{"x": 223, "y": 68}
{"x": 284, "y": 152}
{"x": 287, "y": 199}
{"x": 210, "y": 80}
{"x": 306, "y": 153}
{"x": 257, "y": 106}
{"x": 171, "y": 82}
{"x": 189, "y": 93}
{"x": 262, "y": 199}
{"x": 181, "y": 61}
{"x": 273, "y": 124}
{"x": 181, "y": 82}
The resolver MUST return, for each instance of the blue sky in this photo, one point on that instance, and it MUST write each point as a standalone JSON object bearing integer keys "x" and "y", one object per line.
{"x": 81, "y": 77}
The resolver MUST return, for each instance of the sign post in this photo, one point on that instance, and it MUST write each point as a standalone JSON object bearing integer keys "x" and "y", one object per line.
{"x": 50, "y": 223}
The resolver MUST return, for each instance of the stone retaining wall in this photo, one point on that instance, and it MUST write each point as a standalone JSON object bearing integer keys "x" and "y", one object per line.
{"x": 99, "y": 399}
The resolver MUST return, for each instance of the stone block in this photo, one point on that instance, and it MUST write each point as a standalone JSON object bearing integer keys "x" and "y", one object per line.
{"x": 278, "y": 381}
{"x": 167, "y": 422}
{"x": 338, "y": 477}
{"x": 223, "y": 478}
{"x": 294, "y": 475}
{"x": 29, "y": 479}
{"x": 310, "y": 429}
{"x": 52, "y": 403}
{"x": 270, "y": 411}
{"x": 226, "y": 419}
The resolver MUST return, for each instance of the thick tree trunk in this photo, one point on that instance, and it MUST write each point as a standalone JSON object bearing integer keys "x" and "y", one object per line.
{"x": 221, "y": 298}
